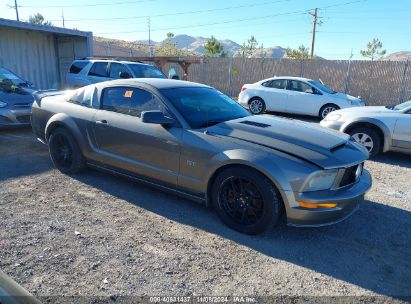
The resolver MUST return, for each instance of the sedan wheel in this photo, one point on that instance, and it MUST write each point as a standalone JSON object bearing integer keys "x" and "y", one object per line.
{"x": 368, "y": 138}
{"x": 256, "y": 106}
{"x": 245, "y": 200}
{"x": 327, "y": 109}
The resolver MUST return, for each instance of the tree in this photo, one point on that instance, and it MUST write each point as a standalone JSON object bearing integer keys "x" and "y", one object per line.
{"x": 247, "y": 49}
{"x": 214, "y": 48}
{"x": 38, "y": 19}
{"x": 169, "y": 47}
{"x": 301, "y": 53}
{"x": 374, "y": 49}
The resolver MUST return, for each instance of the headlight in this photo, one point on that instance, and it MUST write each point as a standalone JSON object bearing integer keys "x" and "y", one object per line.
{"x": 333, "y": 117}
{"x": 321, "y": 180}
{"x": 3, "y": 104}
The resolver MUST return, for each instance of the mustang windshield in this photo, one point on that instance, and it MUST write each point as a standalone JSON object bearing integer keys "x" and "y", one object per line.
{"x": 202, "y": 107}
{"x": 403, "y": 105}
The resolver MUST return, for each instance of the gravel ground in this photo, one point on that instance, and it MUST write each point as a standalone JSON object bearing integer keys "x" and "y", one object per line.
{"x": 96, "y": 234}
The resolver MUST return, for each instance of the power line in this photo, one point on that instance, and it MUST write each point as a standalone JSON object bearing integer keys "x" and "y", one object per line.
{"x": 183, "y": 13}
{"x": 89, "y": 5}
{"x": 215, "y": 23}
{"x": 235, "y": 20}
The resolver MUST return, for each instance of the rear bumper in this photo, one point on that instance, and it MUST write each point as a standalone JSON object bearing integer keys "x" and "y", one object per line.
{"x": 14, "y": 118}
{"x": 347, "y": 200}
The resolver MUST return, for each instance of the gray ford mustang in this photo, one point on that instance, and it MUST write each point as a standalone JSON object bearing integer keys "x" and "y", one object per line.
{"x": 193, "y": 140}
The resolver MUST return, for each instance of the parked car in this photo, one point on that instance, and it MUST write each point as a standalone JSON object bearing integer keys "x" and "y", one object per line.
{"x": 193, "y": 140}
{"x": 15, "y": 100}
{"x": 88, "y": 71}
{"x": 13, "y": 293}
{"x": 294, "y": 95}
{"x": 379, "y": 129}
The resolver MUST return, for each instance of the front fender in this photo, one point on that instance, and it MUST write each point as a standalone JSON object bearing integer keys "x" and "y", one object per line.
{"x": 378, "y": 123}
{"x": 286, "y": 172}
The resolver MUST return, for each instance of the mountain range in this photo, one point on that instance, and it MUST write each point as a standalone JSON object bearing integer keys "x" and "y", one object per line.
{"x": 196, "y": 45}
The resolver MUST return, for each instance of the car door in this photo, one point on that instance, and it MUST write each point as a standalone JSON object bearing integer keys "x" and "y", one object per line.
{"x": 402, "y": 131}
{"x": 300, "y": 100}
{"x": 148, "y": 150}
{"x": 274, "y": 94}
{"x": 98, "y": 72}
{"x": 116, "y": 69}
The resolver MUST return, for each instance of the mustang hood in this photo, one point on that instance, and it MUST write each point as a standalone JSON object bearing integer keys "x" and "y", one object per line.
{"x": 323, "y": 147}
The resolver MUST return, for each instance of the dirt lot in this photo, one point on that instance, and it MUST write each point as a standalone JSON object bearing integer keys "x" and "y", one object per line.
{"x": 98, "y": 235}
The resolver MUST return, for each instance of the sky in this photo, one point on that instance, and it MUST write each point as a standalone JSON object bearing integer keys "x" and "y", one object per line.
{"x": 346, "y": 25}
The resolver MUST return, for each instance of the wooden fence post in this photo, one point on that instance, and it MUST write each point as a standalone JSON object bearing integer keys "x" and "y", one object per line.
{"x": 347, "y": 78}
{"x": 302, "y": 68}
{"x": 230, "y": 66}
{"x": 402, "y": 85}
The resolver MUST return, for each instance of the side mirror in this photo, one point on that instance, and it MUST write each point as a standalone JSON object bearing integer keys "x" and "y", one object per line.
{"x": 124, "y": 75}
{"x": 156, "y": 117}
{"x": 176, "y": 77}
{"x": 309, "y": 91}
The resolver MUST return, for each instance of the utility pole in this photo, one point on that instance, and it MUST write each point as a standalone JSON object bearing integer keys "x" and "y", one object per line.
{"x": 62, "y": 17}
{"x": 149, "y": 37}
{"x": 17, "y": 10}
{"x": 314, "y": 30}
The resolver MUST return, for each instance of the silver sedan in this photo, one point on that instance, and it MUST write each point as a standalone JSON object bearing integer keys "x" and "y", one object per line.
{"x": 379, "y": 129}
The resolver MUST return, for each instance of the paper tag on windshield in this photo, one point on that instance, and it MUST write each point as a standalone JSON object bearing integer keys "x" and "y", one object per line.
{"x": 128, "y": 94}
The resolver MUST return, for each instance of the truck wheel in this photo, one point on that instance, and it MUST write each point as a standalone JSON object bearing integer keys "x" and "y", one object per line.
{"x": 65, "y": 153}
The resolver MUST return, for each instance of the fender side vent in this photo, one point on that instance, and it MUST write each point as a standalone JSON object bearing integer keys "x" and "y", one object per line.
{"x": 256, "y": 124}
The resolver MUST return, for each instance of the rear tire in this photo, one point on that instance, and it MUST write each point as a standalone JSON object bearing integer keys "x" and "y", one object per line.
{"x": 327, "y": 109}
{"x": 65, "y": 153}
{"x": 368, "y": 138}
{"x": 246, "y": 200}
{"x": 256, "y": 106}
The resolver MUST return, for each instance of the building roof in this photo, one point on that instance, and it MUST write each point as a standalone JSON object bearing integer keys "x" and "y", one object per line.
{"x": 42, "y": 28}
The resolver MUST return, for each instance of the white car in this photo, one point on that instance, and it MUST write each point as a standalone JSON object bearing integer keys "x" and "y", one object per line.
{"x": 379, "y": 129}
{"x": 294, "y": 95}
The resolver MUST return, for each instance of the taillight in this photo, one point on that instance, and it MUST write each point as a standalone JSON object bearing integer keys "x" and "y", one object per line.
{"x": 243, "y": 89}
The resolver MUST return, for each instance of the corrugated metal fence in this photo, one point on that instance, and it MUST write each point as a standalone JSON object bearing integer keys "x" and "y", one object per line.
{"x": 378, "y": 82}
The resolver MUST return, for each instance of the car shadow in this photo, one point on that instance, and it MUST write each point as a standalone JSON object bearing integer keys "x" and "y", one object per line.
{"x": 21, "y": 154}
{"x": 394, "y": 158}
{"x": 371, "y": 249}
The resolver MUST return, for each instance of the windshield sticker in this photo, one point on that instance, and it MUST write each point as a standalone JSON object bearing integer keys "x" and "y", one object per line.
{"x": 128, "y": 94}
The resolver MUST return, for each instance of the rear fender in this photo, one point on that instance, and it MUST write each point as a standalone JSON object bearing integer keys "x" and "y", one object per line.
{"x": 65, "y": 121}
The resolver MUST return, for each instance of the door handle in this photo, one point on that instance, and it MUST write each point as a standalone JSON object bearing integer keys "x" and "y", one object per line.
{"x": 102, "y": 122}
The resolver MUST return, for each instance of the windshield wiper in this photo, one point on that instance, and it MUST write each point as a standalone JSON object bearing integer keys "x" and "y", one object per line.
{"x": 389, "y": 107}
{"x": 209, "y": 124}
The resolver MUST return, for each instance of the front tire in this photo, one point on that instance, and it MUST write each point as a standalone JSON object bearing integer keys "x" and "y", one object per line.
{"x": 246, "y": 200}
{"x": 65, "y": 153}
{"x": 368, "y": 138}
{"x": 256, "y": 106}
{"x": 327, "y": 109}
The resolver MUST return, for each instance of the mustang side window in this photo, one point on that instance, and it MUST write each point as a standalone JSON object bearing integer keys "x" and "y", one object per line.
{"x": 131, "y": 101}
{"x": 143, "y": 101}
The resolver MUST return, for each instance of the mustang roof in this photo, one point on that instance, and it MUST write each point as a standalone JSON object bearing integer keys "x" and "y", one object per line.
{"x": 158, "y": 83}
